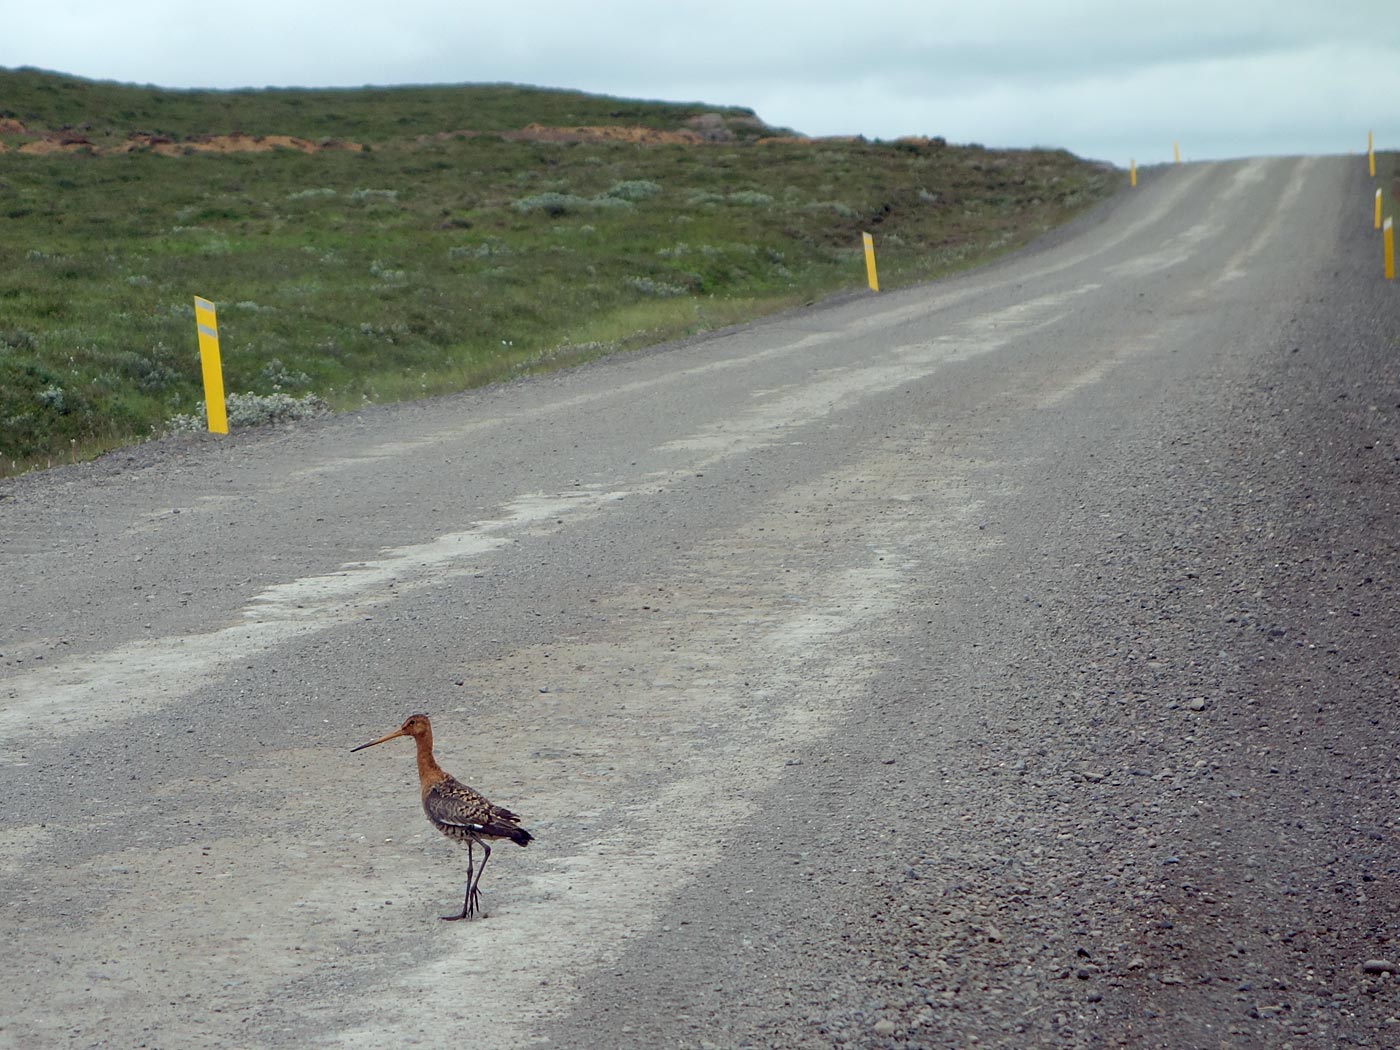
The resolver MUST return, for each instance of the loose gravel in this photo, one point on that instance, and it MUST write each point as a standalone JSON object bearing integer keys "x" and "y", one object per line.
{"x": 1134, "y": 786}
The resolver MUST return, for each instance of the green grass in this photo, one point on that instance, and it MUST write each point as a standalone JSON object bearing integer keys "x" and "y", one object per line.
{"x": 419, "y": 267}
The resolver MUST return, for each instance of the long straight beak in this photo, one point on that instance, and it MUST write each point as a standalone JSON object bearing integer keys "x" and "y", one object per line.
{"x": 386, "y": 736}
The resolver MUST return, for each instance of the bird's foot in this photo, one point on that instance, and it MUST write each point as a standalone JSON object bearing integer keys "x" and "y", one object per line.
{"x": 472, "y": 908}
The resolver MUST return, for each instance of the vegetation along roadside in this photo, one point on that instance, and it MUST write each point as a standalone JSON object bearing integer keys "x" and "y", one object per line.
{"x": 387, "y": 243}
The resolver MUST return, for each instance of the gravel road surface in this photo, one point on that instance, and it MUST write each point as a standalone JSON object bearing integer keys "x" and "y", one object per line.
{"x": 1009, "y": 661}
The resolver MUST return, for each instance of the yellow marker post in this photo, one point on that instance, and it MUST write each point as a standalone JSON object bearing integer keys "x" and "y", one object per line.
{"x": 1176, "y": 152}
{"x": 1389, "y": 237}
{"x": 207, "y": 325}
{"x": 870, "y": 262}
{"x": 1378, "y": 209}
{"x": 1132, "y": 173}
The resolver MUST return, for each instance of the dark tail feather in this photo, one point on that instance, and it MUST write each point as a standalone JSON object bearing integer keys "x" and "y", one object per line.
{"x": 516, "y": 834}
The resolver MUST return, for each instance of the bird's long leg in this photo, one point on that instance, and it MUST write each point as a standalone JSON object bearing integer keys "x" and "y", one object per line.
{"x": 467, "y": 903}
{"x": 474, "y": 891}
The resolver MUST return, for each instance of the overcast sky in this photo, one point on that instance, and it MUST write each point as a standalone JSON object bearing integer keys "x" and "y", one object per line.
{"x": 1109, "y": 79}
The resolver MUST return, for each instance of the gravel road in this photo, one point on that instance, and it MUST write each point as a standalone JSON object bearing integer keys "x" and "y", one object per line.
{"x": 1009, "y": 661}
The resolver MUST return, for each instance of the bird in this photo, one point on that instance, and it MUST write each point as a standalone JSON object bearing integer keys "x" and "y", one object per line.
{"x": 459, "y": 812}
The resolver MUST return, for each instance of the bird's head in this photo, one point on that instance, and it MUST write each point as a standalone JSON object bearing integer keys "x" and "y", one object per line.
{"x": 416, "y": 726}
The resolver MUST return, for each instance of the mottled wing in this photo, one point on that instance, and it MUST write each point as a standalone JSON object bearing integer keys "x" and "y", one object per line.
{"x": 462, "y": 813}
{"x": 456, "y": 809}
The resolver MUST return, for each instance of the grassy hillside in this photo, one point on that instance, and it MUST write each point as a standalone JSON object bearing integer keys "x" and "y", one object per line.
{"x": 108, "y": 111}
{"x": 417, "y": 262}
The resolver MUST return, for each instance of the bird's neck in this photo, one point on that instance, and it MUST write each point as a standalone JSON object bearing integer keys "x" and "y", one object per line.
{"x": 430, "y": 773}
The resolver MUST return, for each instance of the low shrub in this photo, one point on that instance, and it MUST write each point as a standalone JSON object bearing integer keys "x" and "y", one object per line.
{"x": 751, "y": 198}
{"x": 252, "y": 410}
{"x": 634, "y": 189}
{"x": 650, "y": 286}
